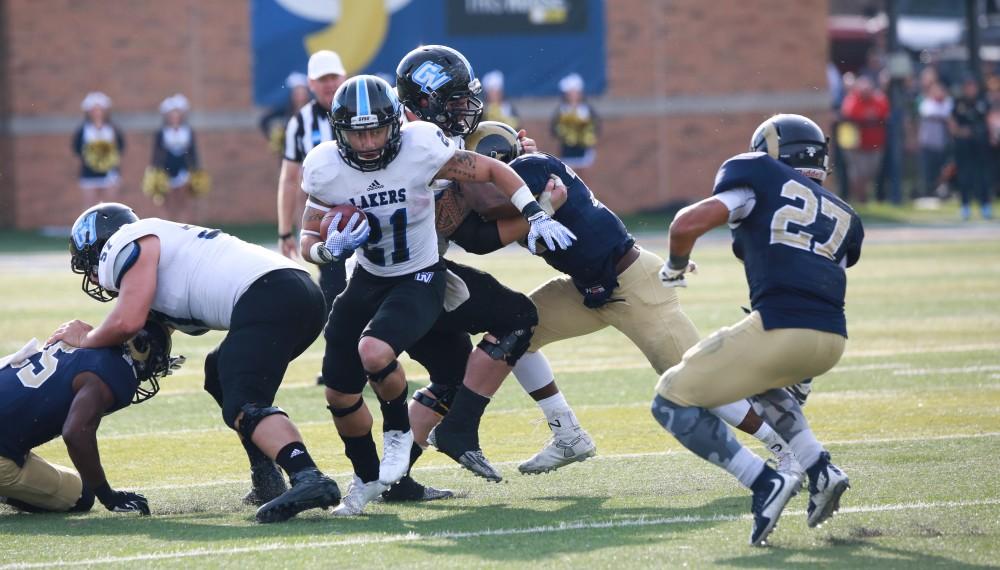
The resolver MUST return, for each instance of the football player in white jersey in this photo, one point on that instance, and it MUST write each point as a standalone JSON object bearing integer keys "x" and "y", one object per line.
{"x": 197, "y": 279}
{"x": 397, "y": 291}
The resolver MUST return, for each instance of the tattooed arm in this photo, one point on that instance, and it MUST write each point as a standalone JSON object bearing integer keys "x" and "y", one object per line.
{"x": 468, "y": 166}
{"x": 311, "y": 218}
{"x": 450, "y": 209}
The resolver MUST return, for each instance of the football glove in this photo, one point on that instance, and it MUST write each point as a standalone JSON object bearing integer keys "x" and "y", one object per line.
{"x": 340, "y": 243}
{"x": 554, "y": 234}
{"x": 671, "y": 277}
{"x": 127, "y": 502}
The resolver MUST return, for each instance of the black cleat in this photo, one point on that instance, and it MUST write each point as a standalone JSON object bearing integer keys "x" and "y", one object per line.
{"x": 463, "y": 449}
{"x": 311, "y": 489}
{"x": 408, "y": 490}
{"x": 268, "y": 483}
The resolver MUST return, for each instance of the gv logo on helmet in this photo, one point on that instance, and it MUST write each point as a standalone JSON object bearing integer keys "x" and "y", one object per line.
{"x": 429, "y": 76}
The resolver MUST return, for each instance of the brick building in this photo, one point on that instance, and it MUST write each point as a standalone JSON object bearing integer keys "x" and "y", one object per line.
{"x": 688, "y": 81}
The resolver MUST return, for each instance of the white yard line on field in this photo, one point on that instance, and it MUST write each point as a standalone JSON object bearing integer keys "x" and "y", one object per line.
{"x": 459, "y": 535}
{"x": 600, "y": 457}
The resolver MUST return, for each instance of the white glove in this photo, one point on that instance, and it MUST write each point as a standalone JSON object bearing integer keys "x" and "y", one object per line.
{"x": 554, "y": 234}
{"x": 671, "y": 277}
{"x": 342, "y": 243}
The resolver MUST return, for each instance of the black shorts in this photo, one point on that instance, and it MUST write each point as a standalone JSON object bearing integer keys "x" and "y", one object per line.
{"x": 491, "y": 307}
{"x": 396, "y": 310}
{"x": 273, "y": 322}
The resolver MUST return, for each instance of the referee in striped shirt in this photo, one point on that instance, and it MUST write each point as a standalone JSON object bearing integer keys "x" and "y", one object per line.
{"x": 309, "y": 127}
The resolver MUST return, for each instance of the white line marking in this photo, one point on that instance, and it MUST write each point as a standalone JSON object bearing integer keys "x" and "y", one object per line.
{"x": 610, "y": 457}
{"x": 959, "y": 370}
{"x": 458, "y": 535}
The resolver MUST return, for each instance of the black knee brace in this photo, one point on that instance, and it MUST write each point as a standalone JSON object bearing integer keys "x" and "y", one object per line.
{"x": 442, "y": 398}
{"x": 341, "y": 412}
{"x": 381, "y": 374}
{"x": 253, "y": 415}
{"x": 509, "y": 347}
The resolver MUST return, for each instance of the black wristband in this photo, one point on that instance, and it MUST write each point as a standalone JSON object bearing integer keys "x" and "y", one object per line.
{"x": 678, "y": 261}
{"x": 531, "y": 209}
{"x": 104, "y": 493}
{"x": 283, "y": 237}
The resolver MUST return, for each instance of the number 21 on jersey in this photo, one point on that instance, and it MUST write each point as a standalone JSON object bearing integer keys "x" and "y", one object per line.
{"x": 805, "y": 215}
{"x": 400, "y": 251}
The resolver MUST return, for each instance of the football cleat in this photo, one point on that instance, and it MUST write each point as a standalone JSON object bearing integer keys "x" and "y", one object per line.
{"x": 267, "y": 482}
{"x": 452, "y": 445}
{"x": 311, "y": 489}
{"x": 408, "y": 490}
{"x": 771, "y": 492}
{"x": 395, "y": 463}
{"x": 826, "y": 484}
{"x": 565, "y": 447}
{"x": 359, "y": 494}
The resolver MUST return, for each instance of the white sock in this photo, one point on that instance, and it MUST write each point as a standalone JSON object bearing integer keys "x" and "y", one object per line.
{"x": 733, "y": 414}
{"x": 806, "y": 448}
{"x": 533, "y": 371}
{"x": 745, "y": 466}
{"x": 558, "y": 413}
{"x": 770, "y": 438}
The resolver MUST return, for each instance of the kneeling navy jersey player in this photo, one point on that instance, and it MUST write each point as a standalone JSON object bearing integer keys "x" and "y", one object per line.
{"x": 61, "y": 390}
{"x": 198, "y": 279}
{"x": 397, "y": 290}
{"x": 795, "y": 239}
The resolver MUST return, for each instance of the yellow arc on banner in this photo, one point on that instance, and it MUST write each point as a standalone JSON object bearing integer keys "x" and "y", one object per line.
{"x": 356, "y": 36}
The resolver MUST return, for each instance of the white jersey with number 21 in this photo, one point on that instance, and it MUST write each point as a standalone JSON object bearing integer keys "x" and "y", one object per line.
{"x": 399, "y": 199}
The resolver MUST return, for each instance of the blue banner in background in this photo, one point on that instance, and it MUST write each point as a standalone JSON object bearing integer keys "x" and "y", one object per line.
{"x": 533, "y": 42}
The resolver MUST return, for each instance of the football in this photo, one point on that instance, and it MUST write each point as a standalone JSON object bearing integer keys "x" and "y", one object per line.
{"x": 345, "y": 211}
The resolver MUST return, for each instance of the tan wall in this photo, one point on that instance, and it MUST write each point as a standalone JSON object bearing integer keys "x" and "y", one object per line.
{"x": 139, "y": 52}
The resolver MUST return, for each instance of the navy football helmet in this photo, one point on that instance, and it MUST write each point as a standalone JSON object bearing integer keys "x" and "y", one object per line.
{"x": 149, "y": 352}
{"x": 366, "y": 102}
{"x": 438, "y": 85}
{"x": 795, "y": 140}
{"x": 495, "y": 140}
{"x": 87, "y": 238}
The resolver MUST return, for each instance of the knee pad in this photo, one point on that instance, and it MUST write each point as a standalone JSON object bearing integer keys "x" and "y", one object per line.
{"x": 253, "y": 415}
{"x": 381, "y": 374}
{"x": 442, "y": 398}
{"x": 341, "y": 412}
{"x": 508, "y": 347}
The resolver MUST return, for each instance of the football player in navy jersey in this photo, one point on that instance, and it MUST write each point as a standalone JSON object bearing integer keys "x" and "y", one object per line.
{"x": 609, "y": 282}
{"x": 795, "y": 239}
{"x": 61, "y": 390}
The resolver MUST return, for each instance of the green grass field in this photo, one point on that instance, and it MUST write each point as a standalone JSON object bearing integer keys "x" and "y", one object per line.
{"x": 912, "y": 414}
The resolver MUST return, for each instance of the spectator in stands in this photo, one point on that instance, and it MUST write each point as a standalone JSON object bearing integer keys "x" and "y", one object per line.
{"x": 99, "y": 144}
{"x": 969, "y": 127}
{"x": 273, "y": 123}
{"x": 993, "y": 120}
{"x": 933, "y": 137}
{"x": 575, "y": 125}
{"x": 867, "y": 108}
{"x": 498, "y": 108}
{"x": 175, "y": 162}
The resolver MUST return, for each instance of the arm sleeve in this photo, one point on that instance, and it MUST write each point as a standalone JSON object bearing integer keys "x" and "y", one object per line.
{"x": 854, "y": 245}
{"x": 477, "y": 236}
{"x": 293, "y": 143}
{"x": 739, "y": 201}
{"x": 193, "y": 162}
{"x": 78, "y": 141}
{"x": 159, "y": 158}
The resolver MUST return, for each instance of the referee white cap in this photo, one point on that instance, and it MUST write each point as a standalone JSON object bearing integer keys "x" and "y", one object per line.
{"x": 325, "y": 62}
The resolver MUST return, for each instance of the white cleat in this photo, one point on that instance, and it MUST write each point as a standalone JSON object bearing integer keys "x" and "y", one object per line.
{"x": 359, "y": 494}
{"x": 395, "y": 456}
{"x": 565, "y": 447}
{"x": 826, "y": 484}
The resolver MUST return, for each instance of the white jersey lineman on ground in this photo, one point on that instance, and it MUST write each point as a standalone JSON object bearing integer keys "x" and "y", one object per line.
{"x": 201, "y": 273}
{"x": 400, "y": 197}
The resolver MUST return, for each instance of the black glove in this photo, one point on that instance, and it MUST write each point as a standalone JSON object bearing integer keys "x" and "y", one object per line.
{"x": 122, "y": 501}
